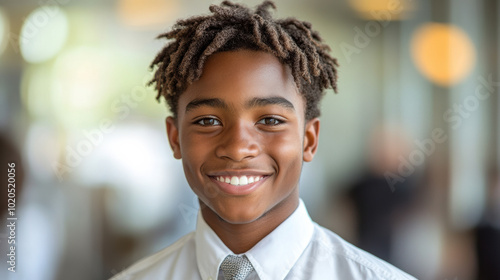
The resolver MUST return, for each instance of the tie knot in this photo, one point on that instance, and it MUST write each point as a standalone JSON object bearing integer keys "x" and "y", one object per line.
{"x": 236, "y": 267}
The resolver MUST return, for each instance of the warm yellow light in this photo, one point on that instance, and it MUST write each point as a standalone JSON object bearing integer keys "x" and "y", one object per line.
{"x": 383, "y": 10}
{"x": 443, "y": 53}
{"x": 146, "y": 12}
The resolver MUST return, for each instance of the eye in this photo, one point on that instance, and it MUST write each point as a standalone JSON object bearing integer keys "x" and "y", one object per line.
{"x": 208, "y": 122}
{"x": 270, "y": 121}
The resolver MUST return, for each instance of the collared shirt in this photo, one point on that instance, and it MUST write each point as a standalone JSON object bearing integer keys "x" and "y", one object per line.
{"x": 297, "y": 249}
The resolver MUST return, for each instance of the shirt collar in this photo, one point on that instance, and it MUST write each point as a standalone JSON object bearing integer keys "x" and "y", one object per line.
{"x": 284, "y": 244}
{"x": 210, "y": 250}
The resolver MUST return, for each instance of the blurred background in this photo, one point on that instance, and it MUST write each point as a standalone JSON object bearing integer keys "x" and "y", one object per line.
{"x": 409, "y": 157}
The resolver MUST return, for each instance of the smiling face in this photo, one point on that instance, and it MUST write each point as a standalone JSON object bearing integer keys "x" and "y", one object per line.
{"x": 242, "y": 136}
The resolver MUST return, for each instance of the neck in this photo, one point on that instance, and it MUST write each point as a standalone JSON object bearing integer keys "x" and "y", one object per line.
{"x": 240, "y": 238}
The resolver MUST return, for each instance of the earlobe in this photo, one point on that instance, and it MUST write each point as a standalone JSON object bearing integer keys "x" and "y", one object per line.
{"x": 173, "y": 137}
{"x": 311, "y": 139}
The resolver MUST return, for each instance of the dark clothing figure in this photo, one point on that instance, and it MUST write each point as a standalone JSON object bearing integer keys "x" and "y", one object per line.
{"x": 377, "y": 208}
{"x": 488, "y": 252}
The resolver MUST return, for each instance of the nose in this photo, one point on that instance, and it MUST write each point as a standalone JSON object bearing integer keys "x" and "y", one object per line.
{"x": 238, "y": 142}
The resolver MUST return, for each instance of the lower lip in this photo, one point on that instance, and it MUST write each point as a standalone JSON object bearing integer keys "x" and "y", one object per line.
{"x": 238, "y": 190}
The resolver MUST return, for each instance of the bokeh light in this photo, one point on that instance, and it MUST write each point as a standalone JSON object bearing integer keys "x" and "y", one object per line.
{"x": 81, "y": 85}
{"x": 43, "y": 34}
{"x": 443, "y": 53}
{"x": 383, "y": 10}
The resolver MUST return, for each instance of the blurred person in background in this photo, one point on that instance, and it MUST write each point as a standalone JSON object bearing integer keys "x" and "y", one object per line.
{"x": 379, "y": 199}
{"x": 487, "y": 233}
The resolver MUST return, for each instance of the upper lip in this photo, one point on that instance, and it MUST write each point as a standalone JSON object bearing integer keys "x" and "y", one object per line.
{"x": 238, "y": 173}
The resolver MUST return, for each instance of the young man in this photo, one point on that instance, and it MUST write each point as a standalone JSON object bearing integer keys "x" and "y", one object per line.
{"x": 244, "y": 91}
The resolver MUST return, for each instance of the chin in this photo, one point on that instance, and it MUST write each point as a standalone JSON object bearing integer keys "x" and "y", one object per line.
{"x": 239, "y": 214}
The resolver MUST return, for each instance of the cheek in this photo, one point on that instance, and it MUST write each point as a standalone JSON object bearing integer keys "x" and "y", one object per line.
{"x": 286, "y": 150}
{"x": 194, "y": 155}
{"x": 194, "y": 152}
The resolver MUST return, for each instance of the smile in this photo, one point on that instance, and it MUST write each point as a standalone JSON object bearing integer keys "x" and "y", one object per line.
{"x": 239, "y": 181}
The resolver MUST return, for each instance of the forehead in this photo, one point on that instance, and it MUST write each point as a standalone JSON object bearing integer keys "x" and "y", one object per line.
{"x": 241, "y": 75}
{"x": 245, "y": 65}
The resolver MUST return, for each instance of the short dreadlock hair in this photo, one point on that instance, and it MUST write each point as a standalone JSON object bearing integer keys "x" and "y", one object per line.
{"x": 233, "y": 27}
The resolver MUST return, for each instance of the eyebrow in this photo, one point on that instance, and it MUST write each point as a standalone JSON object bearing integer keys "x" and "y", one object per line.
{"x": 276, "y": 100}
{"x": 210, "y": 102}
{"x": 252, "y": 103}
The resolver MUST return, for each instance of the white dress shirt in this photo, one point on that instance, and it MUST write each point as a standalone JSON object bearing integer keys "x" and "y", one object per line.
{"x": 297, "y": 249}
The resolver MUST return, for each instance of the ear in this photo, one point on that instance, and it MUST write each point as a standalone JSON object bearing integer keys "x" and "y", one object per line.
{"x": 173, "y": 136}
{"x": 311, "y": 139}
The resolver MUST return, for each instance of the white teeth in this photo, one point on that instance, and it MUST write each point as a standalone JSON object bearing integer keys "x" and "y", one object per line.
{"x": 239, "y": 181}
{"x": 243, "y": 180}
{"x": 235, "y": 181}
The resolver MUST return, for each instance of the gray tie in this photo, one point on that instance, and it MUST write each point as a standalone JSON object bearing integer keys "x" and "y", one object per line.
{"x": 236, "y": 267}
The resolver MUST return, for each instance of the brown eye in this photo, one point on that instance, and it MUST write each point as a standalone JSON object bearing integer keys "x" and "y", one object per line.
{"x": 270, "y": 121}
{"x": 208, "y": 122}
